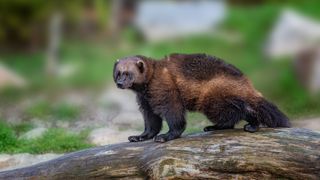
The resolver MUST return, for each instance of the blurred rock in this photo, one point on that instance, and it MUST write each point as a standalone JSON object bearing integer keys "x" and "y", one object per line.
{"x": 292, "y": 34}
{"x": 110, "y": 135}
{"x": 162, "y": 20}
{"x": 129, "y": 120}
{"x": 10, "y": 78}
{"x": 121, "y": 100}
{"x": 114, "y": 108}
{"x": 21, "y": 160}
{"x": 123, "y": 107}
{"x": 62, "y": 124}
{"x": 307, "y": 67}
{"x": 34, "y": 133}
{"x": 313, "y": 124}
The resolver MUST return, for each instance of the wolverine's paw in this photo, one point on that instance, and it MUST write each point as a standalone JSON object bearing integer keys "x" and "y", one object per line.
{"x": 250, "y": 128}
{"x": 165, "y": 137}
{"x": 161, "y": 138}
{"x": 137, "y": 138}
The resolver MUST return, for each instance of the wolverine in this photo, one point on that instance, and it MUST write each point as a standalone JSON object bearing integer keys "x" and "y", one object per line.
{"x": 168, "y": 88}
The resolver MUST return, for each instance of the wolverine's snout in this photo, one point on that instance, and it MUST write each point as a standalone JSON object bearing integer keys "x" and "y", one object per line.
{"x": 124, "y": 81}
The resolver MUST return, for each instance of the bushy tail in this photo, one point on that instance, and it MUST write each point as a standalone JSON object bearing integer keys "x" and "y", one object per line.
{"x": 268, "y": 114}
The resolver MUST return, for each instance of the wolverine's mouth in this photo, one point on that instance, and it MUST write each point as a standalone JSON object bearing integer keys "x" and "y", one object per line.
{"x": 124, "y": 86}
{"x": 120, "y": 86}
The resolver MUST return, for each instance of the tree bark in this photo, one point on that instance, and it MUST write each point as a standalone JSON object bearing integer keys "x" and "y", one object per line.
{"x": 55, "y": 28}
{"x": 290, "y": 153}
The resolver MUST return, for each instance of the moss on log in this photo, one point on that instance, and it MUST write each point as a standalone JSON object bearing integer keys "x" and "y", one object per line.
{"x": 290, "y": 153}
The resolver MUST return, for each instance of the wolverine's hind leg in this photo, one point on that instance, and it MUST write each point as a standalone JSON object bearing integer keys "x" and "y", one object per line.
{"x": 225, "y": 113}
{"x": 253, "y": 123}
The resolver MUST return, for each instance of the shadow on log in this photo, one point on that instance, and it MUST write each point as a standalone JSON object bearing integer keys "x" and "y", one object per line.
{"x": 229, "y": 154}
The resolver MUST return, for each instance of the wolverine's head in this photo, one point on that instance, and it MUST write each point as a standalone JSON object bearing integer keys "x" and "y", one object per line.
{"x": 129, "y": 71}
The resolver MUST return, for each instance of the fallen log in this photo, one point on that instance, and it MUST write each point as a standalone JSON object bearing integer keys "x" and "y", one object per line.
{"x": 289, "y": 153}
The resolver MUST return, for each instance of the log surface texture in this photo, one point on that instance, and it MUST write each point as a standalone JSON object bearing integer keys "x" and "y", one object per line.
{"x": 289, "y": 153}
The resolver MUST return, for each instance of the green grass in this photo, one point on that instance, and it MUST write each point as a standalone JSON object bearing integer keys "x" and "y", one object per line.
{"x": 22, "y": 127}
{"x": 46, "y": 110}
{"x": 29, "y": 66}
{"x": 66, "y": 111}
{"x": 55, "y": 140}
{"x": 8, "y": 140}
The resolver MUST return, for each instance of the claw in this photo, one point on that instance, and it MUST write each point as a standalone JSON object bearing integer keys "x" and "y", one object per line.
{"x": 134, "y": 138}
{"x": 160, "y": 139}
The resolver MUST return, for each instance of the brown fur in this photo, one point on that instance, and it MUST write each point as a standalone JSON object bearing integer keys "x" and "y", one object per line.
{"x": 168, "y": 78}
{"x": 195, "y": 82}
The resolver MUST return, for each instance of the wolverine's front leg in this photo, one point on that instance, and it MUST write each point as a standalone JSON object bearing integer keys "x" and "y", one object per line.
{"x": 152, "y": 122}
{"x": 176, "y": 122}
{"x": 152, "y": 126}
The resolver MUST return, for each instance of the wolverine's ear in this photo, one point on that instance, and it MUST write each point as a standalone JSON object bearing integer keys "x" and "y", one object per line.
{"x": 141, "y": 66}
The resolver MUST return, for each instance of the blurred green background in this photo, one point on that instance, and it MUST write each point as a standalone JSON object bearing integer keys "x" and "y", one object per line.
{"x": 91, "y": 35}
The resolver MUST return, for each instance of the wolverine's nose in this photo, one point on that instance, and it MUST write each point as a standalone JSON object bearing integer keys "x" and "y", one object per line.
{"x": 120, "y": 85}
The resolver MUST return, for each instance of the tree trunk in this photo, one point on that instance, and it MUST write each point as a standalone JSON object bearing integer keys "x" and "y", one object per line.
{"x": 229, "y": 154}
{"x": 55, "y": 28}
